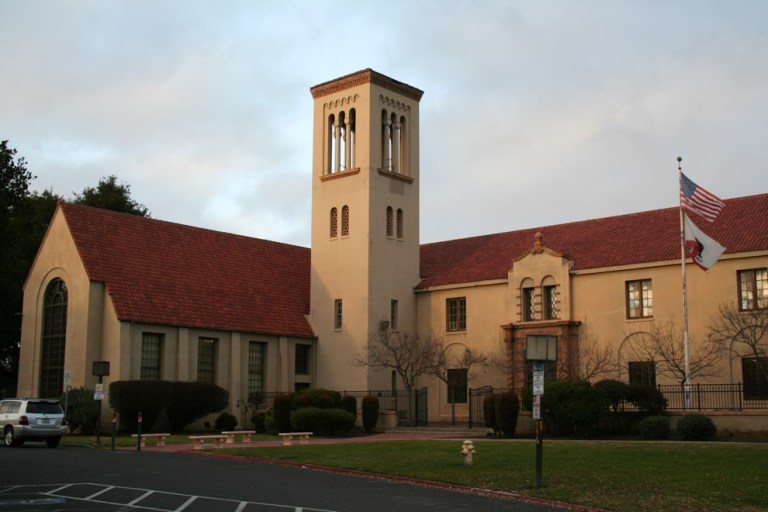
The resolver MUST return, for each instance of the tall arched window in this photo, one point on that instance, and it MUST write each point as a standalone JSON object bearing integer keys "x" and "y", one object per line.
{"x": 331, "y": 149}
{"x": 54, "y": 340}
{"x": 386, "y": 141}
{"x": 345, "y": 220}
{"x": 390, "y": 221}
{"x": 334, "y": 223}
{"x": 399, "y": 224}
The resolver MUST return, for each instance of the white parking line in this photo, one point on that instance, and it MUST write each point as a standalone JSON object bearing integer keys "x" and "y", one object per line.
{"x": 57, "y": 491}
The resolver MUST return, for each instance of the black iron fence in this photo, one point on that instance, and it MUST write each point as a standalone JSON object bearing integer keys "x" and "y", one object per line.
{"x": 411, "y": 406}
{"x": 711, "y": 397}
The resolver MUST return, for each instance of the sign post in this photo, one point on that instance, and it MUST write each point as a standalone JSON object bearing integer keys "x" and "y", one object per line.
{"x": 100, "y": 369}
{"x": 539, "y": 348}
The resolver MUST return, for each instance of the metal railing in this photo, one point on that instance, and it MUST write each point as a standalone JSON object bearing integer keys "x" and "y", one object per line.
{"x": 719, "y": 397}
{"x": 411, "y": 406}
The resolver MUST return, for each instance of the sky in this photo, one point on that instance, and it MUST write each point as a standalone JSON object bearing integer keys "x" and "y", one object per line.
{"x": 534, "y": 112}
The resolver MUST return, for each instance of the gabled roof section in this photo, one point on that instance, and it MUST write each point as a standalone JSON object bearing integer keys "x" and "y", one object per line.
{"x": 636, "y": 238}
{"x": 170, "y": 274}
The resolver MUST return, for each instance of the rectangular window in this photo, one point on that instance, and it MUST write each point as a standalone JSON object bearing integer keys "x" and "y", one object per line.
{"x": 456, "y": 314}
{"x": 755, "y": 375}
{"x": 255, "y": 370}
{"x": 549, "y": 302}
{"x": 457, "y": 386}
{"x": 393, "y": 314}
{"x": 151, "y": 350}
{"x": 642, "y": 373}
{"x": 301, "y": 364}
{"x": 206, "y": 360}
{"x": 753, "y": 289}
{"x": 639, "y": 299}
{"x": 529, "y": 304}
{"x": 337, "y": 314}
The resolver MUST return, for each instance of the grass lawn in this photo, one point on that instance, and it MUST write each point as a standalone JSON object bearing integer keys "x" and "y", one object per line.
{"x": 619, "y": 476}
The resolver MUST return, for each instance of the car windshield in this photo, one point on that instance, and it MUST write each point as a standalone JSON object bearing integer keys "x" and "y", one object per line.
{"x": 43, "y": 408}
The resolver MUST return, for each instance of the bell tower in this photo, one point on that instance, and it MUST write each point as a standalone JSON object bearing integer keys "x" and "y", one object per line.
{"x": 365, "y": 221}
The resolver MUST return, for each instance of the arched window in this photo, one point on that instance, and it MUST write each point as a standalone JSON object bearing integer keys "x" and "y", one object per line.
{"x": 386, "y": 141}
{"x": 345, "y": 220}
{"x": 330, "y": 150}
{"x": 390, "y": 221}
{"x": 548, "y": 299}
{"x": 402, "y": 153}
{"x": 334, "y": 223}
{"x": 399, "y": 224}
{"x": 54, "y": 340}
{"x": 528, "y": 300}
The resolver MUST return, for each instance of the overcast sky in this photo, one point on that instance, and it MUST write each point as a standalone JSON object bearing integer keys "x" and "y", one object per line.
{"x": 534, "y": 112}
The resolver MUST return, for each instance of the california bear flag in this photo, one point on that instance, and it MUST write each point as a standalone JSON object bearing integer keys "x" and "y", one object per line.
{"x": 698, "y": 245}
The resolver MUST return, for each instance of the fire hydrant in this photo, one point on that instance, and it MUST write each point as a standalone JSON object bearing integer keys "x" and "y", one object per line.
{"x": 467, "y": 451}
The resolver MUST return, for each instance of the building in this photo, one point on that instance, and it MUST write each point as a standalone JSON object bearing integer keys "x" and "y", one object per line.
{"x": 163, "y": 300}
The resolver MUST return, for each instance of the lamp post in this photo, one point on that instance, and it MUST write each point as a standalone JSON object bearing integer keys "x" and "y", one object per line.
{"x": 539, "y": 348}
{"x": 100, "y": 369}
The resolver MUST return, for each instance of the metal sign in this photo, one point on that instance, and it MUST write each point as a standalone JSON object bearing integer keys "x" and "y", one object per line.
{"x": 67, "y": 377}
{"x": 538, "y": 379}
{"x": 537, "y": 407}
{"x": 98, "y": 394}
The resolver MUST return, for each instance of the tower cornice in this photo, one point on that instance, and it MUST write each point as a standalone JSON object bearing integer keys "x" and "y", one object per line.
{"x": 366, "y": 76}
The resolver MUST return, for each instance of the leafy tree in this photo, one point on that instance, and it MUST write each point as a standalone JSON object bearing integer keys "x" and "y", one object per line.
{"x": 111, "y": 195}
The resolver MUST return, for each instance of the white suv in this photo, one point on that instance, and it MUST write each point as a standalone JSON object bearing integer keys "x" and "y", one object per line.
{"x": 32, "y": 419}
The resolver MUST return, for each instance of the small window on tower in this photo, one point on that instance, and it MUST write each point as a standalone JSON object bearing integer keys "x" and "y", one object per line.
{"x": 345, "y": 221}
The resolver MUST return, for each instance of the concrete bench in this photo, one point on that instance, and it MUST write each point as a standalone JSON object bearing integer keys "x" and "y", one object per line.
{"x": 288, "y": 437}
{"x": 200, "y": 441}
{"x": 160, "y": 438}
{"x": 245, "y": 433}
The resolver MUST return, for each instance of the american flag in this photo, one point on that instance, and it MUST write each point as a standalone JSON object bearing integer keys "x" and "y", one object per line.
{"x": 697, "y": 199}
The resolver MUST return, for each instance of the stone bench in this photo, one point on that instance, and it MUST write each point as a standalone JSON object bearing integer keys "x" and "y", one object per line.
{"x": 200, "y": 441}
{"x": 288, "y": 437}
{"x": 245, "y": 433}
{"x": 160, "y": 438}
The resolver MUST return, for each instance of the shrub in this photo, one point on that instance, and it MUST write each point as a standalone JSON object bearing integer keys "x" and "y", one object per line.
{"x": 572, "y": 407}
{"x": 654, "y": 427}
{"x": 507, "y": 407}
{"x": 269, "y": 424}
{"x": 226, "y": 422}
{"x": 322, "y": 421}
{"x": 489, "y": 413}
{"x": 694, "y": 427}
{"x": 370, "y": 413}
{"x": 259, "y": 422}
{"x": 129, "y": 397}
{"x": 190, "y": 401}
{"x": 281, "y": 413}
{"x": 648, "y": 400}
{"x": 349, "y": 404}
{"x": 615, "y": 391}
{"x": 82, "y": 410}
{"x": 317, "y": 397}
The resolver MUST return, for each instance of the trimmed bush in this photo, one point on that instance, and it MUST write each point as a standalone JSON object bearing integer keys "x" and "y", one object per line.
{"x": 317, "y": 397}
{"x": 654, "y": 427}
{"x": 695, "y": 427}
{"x": 370, "y": 413}
{"x": 349, "y": 404}
{"x": 129, "y": 397}
{"x": 190, "y": 401}
{"x": 489, "y": 413}
{"x": 615, "y": 391}
{"x": 82, "y": 410}
{"x": 259, "y": 422}
{"x": 322, "y": 421}
{"x": 281, "y": 413}
{"x": 572, "y": 407}
{"x": 226, "y": 422}
{"x": 648, "y": 400}
{"x": 506, "y": 407}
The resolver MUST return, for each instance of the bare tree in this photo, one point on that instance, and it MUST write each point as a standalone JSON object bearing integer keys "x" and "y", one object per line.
{"x": 744, "y": 332}
{"x": 408, "y": 354}
{"x": 465, "y": 361}
{"x": 595, "y": 360}
{"x": 664, "y": 344}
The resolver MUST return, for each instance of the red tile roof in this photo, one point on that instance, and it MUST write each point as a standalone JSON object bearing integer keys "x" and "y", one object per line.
{"x": 622, "y": 240}
{"x": 170, "y": 274}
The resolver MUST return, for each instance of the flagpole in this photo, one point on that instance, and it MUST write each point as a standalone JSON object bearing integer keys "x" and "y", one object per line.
{"x": 687, "y": 386}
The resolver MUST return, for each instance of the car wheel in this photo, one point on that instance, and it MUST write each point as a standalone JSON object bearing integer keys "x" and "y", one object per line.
{"x": 8, "y": 437}
{"x": 53, "y": 442}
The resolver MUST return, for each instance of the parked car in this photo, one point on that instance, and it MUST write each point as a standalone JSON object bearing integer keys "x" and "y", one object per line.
{"x": 32, "y": 419}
